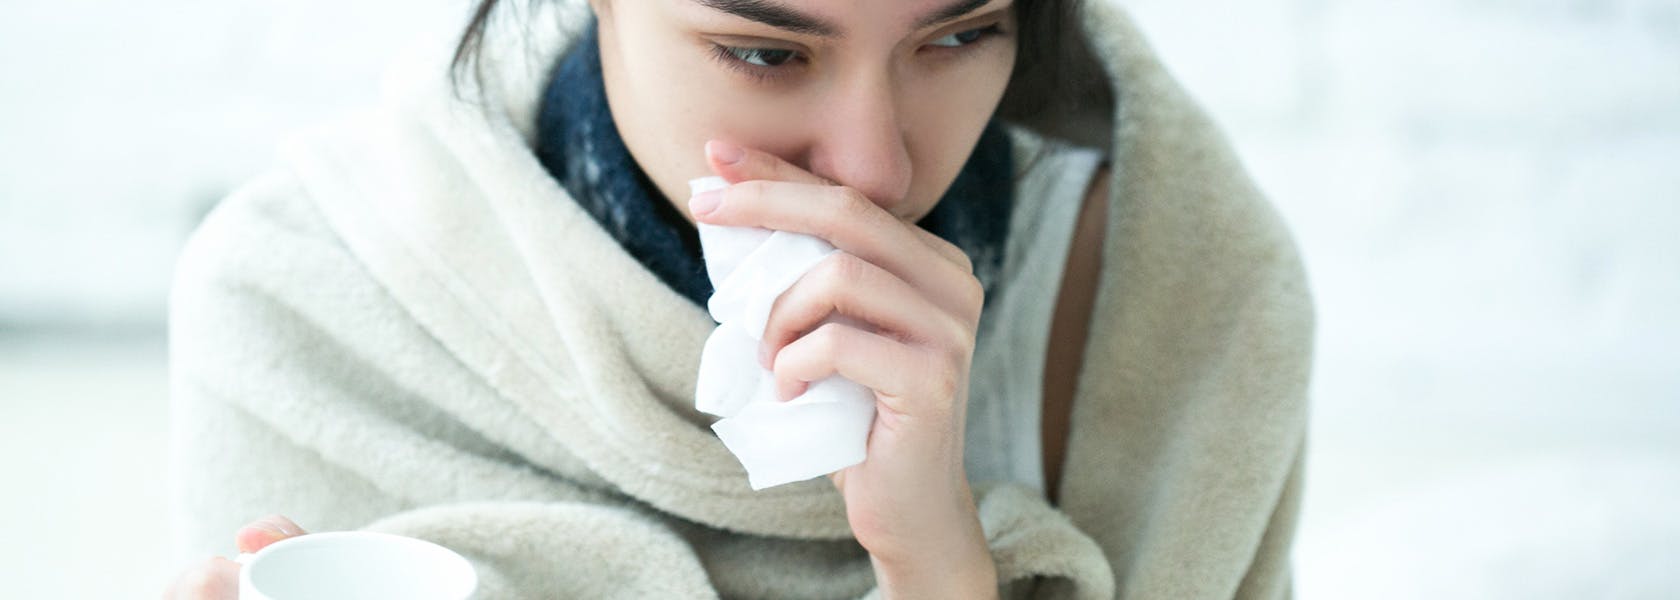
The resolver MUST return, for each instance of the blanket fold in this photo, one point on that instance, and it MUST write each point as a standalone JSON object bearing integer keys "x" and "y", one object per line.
{"x": 408, "y": 326}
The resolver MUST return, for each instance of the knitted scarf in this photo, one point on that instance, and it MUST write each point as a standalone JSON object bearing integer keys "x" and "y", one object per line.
{"x": 578, "y": 143}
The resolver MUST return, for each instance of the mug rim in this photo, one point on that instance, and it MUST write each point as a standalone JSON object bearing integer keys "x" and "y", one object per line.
{"x": 471, "y": 574}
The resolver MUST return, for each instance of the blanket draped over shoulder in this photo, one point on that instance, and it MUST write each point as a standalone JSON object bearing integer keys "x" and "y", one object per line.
{"x": 407, "y": 326}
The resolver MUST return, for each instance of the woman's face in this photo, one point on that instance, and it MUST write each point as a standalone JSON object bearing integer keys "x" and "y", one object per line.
{"x": 885, "y": 96}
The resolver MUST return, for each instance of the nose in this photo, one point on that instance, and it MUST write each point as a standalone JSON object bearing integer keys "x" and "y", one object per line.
{"x": 860, "y": 143}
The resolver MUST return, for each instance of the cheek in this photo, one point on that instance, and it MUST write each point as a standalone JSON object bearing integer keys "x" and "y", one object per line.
{"x": 661, "y": 106}
{"x": 674, "y": 96}
{"x": 945, "y": 115}
{"x": 767, "y": 118}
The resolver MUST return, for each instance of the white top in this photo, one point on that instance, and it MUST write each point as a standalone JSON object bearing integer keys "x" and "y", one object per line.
{"x": 1007, "y": 377}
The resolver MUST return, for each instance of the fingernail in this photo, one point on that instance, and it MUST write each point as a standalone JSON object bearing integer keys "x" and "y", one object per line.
{"x": 705, "y": 202}
{"x": 725, "y": 152}
{"x": 764, "y": 356}
{"x": 272, "y": 525}
{"x": 797, "y": 391}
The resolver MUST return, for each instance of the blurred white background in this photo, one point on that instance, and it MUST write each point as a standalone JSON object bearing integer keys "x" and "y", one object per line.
{"x": 1487, "y": 193}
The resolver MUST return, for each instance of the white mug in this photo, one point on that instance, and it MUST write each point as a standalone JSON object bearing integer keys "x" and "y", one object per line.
{"x": 355, "y": 565}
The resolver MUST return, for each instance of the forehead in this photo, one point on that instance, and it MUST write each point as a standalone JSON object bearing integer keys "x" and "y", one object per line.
{"x": 843, "y": 9}
{"x": 836, "y": 18}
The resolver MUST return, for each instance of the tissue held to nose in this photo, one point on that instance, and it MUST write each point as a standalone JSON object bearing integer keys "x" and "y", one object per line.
{"x": 820, "y": 432}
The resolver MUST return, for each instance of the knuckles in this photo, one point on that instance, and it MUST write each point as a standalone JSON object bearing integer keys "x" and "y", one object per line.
{"x": 944, "y": 387}
{"x": 851, "y": 204}
{"x": 973, "y": 299}
{"x": 828, "y": 339}
{"x": 822, "y": 287}
{"x": 749, "y": 192}
{"x": 839, "y": 270}
{"x": 951, "y": 368}
{"x": 960, "y": 257}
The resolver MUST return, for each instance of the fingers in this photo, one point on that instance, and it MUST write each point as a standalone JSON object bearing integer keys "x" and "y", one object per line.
{"x": 894, "y": 370}
{"x": 736, "y": 163}
{"x": 216, "y": 578}
{"x": 849, "y": 221}
{"x": 907, "y": 282}
{"x": 851, "y": 286}
{"x": 219, "y": 577}
{"x": 945, "y": 248}
{"x": 258, "y": 534}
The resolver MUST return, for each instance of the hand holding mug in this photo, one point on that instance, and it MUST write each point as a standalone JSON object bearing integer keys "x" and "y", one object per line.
{"x": 278, "y": 562}
{"x": 217, "y": 578}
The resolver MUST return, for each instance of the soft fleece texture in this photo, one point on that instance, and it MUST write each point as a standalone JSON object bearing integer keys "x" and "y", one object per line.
{"x": 406, "y": 326}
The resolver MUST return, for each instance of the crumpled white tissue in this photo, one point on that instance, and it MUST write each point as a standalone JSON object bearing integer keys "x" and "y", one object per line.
{"x": 820, "y": 432}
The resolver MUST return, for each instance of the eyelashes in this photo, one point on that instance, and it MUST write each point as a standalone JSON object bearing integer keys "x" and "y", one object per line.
{"x": 964, "y": 38}
{"x": 765, "y": 65}
{"x": 770, "y": 63}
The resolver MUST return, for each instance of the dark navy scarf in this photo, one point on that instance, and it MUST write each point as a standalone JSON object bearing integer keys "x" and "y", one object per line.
{"x": 578, "y": 142}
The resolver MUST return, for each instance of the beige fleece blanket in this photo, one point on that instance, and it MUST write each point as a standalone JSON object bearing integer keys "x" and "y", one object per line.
{"x": 407, "y": 326}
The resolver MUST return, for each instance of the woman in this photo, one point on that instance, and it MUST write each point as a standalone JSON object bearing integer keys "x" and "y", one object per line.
{"x": 474, "y": 314}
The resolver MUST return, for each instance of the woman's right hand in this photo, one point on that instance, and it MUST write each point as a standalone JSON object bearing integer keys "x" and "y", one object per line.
{"x": 217, "y": 577}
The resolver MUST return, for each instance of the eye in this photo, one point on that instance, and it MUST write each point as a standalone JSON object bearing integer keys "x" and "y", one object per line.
{"x": 964, "y": 38}
{"x": 761, "y": 57}
{"x": 764, "y": 65}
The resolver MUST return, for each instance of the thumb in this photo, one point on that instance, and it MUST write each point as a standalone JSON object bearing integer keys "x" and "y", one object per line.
{"x": 258, "y": 534}
{"x": 737, "y": 164}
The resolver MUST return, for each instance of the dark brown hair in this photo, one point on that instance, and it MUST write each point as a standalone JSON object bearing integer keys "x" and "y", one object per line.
{"x": 1056, "y": 70}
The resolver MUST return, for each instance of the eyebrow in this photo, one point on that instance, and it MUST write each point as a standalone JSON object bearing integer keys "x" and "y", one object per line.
{"x": 950, "y": 12}
{"x": 783, "y": 17}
